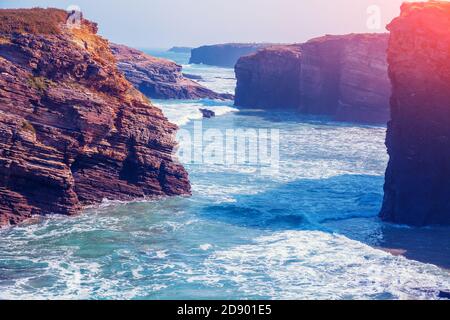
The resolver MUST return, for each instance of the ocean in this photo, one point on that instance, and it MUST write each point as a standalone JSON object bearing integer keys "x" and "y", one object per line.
{"x": 307, "y": 230}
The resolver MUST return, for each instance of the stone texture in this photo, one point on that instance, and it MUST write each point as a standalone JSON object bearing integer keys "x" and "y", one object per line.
{"x": 223, "y": 55}
{"x": 341, "y": 76}
{"x": 417, "y": 188}
{"x": 73, "y": 130}
{"x": 160, "y": 78}
{"x": 269, "y": 78}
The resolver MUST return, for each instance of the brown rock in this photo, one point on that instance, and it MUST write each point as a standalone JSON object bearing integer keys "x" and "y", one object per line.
{"x": 341, "y": 76}
{"x": 160, "y": 78}
{"x": 73, "y": 131}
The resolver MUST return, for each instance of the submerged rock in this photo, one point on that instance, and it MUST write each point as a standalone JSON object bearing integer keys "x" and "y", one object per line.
{"x": 207, "y": 113}
{"x": 341, "y": 76}
{"x": 223, "y": 55}
{"x": 159, "y": 78}
{"x": 73, "y": 130}
{"x": 417, "y": 188}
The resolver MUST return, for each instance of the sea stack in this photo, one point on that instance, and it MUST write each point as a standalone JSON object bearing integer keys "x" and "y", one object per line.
{"x": 344, "y": 77}
{"x": 160, "y": 78}
{"x": 417, "y": 188}
{"x": 223, "y": 55}
{"x": 73, "y": 130}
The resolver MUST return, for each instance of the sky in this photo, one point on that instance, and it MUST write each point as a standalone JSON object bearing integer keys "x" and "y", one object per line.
{"x": 167, "y": 23}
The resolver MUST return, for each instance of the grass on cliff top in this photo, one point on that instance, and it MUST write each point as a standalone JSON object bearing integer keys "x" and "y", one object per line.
{"x": 35, "y": 21}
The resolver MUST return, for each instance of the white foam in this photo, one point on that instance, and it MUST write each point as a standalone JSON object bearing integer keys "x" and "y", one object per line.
{"x": 181, "y": 113}
{"x": 218, "y": 79}
{"x": 317, "y": 265}
{"x": 161, "y": 254}
{"x": 205, "y": 247}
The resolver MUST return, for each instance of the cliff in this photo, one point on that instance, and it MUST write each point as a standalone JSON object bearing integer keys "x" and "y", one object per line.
{"x": 417, "y": 187}
{"x": 269, "y": 78}
{"x": 223, "y": 55}
{"x": 159, "y": 78}
{"x": 341, "y": 76}
{"x": 73, "y": 130}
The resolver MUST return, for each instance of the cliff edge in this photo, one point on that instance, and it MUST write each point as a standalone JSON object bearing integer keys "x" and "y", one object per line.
{"x": 417, "y": 188}
{"x": 344, "y": 77}
{"x": 73, "y": 130}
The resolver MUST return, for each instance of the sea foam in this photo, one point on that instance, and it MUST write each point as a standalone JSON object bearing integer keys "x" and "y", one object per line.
{"x": 181, "y": 113}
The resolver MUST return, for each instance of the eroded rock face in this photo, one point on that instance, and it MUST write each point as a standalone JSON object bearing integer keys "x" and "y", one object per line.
{"x": 160, "y": 78}
{"x": 341, "y": 76}
{"x": 417, "y": 189}
{"x": 269, "y": 78}
{"x": 73, "y": 131}
{"x": 223, "y": 55}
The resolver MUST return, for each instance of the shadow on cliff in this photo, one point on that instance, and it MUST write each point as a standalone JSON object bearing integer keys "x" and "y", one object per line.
{"x": 346, "y": 204}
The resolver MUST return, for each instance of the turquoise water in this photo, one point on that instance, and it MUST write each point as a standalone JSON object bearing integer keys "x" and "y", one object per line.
{"x": 309, "y": 231}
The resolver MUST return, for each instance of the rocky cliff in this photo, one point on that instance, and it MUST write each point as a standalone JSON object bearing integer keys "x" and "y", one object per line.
{"x": 269, "y": 78}
{"x": 73, "y": 130}
{"x": 341, "y": 76}
{"x": 417, "y": 189}
{"x": 223, "y": 55}
{"x": 159, "y": 78}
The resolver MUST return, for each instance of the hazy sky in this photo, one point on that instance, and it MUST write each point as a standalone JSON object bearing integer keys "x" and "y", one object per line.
{"x": 165, "y": 23}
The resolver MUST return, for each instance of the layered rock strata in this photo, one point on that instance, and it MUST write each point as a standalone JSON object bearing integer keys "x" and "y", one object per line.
{"x": 73, "y": 130}
{"x": 160, "y": 78}
{"x": 341, "y": 76}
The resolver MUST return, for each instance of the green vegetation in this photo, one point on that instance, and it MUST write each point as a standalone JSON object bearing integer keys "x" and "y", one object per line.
{"x": 35, "y": 21}
{"x": 27, "y": 126}
{"x": 39, "y": 83}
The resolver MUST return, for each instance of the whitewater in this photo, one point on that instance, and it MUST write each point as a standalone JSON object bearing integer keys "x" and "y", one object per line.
{"x": 308, "y": 231}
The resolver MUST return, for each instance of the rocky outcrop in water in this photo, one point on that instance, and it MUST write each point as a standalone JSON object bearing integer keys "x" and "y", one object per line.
{"x": 73, "y": 130}
{"x": 417, "y": 188}
{"x": 160, "y": 78}
{"x": 223, "y": 55}
{"x": 341, "y": 76}
{"x": 207, "y": 114}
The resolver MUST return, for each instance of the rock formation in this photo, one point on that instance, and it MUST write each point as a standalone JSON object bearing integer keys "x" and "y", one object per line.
{"x": 417, "y": 188}
{"x": 73, "y": 130}
{"x": 223, "y": 55}
{"x": 159, "y": 78}
{"x": 207, "y": 114}
{"x": 341, "y": 76}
